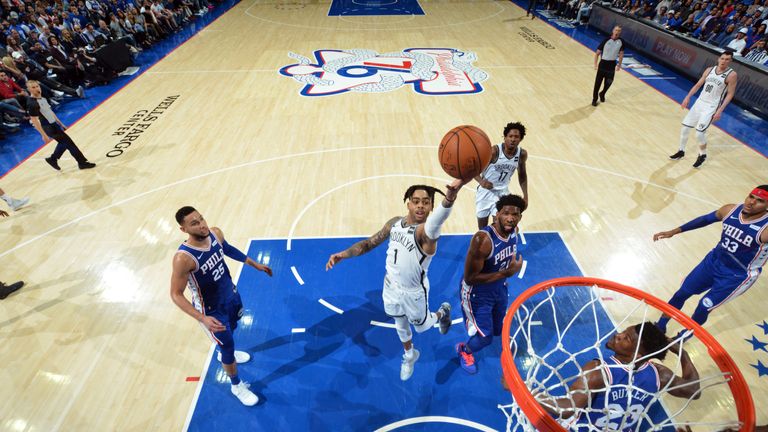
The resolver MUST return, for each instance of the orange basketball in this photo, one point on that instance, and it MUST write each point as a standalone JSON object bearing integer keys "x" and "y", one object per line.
{"x": 464, "y": 152}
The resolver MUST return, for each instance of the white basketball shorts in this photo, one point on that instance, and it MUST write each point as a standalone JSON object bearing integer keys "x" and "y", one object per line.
{"x": 700, "y": 116}
{"x": 412, "y": 302}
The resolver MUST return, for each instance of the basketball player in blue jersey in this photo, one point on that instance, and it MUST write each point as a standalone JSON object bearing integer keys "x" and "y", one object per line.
{"x": 199, "y": 265}
{"x": 734, "y": 265}
{"x": 491, "y": 259}
{"x": 412, "y": 244}
{"x": 615, "y": 394}
{"x": 506, "y": 158}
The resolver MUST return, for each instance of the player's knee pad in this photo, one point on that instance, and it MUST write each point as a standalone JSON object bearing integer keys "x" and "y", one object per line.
{"x": 403, "y": 328}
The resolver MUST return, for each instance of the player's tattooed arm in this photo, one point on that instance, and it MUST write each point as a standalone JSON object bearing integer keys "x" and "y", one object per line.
{"x": 363, "y": 246}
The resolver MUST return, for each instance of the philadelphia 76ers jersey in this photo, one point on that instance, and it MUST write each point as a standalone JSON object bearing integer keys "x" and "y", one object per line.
{"x": 623, "y": 401}
{"x": 406, "y": 264}
{"x": 210, "y": 283}
{"x": 502, "y": 252}
{"x": 740, "y": 248}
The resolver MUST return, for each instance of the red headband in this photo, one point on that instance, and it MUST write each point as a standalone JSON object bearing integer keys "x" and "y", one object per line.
{"x": 760, "y": 193}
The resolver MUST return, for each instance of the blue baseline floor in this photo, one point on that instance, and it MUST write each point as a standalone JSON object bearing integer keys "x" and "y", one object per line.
{"x": 375, "y": 7}
{"x": 736, "y": 121}
{"x": 21, "y": 145}
{"x": 342, "y": 373}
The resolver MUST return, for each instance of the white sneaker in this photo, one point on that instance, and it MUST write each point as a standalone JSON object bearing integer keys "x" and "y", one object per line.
{"x": 406, "y": 367}
{"x": 240, "y": 357}
{"x": 246, "y": 396}
{"x": 18, "y": 203}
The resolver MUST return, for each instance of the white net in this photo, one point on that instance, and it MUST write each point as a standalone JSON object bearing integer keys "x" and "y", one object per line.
{"x": 557, "y": 331}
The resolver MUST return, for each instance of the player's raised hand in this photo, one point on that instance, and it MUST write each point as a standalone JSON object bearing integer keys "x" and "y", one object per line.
{"x": 212, "y": 324}
{"x": 452, "y": 190}
{"x": 666, "y": 234}
{"x": 333, "y": 260}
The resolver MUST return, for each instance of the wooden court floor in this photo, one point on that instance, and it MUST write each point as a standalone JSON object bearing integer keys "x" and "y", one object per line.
{"x": 93, "y": 341}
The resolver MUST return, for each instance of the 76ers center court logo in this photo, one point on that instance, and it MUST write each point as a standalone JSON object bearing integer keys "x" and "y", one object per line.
{"x": 432, "y": 71}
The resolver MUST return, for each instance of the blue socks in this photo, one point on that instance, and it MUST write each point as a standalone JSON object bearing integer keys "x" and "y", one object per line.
{"x": 235, "y": 380}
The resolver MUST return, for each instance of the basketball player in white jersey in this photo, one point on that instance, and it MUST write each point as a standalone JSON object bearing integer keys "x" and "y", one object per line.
{"x": 412, "y": 244}
{"x": 719, "y": 87}
{"x": 494, "y": 180}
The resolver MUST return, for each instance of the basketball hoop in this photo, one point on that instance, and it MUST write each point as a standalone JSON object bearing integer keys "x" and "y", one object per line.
{"x": 527, "y": 414}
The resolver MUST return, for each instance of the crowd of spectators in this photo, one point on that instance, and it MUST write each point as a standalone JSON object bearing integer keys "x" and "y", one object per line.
{"x": 57, "y": 42}
{"x": 738, "y": 25}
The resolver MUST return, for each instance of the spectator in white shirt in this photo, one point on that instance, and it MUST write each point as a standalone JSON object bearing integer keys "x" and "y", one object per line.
{"x": 739, "y": 43}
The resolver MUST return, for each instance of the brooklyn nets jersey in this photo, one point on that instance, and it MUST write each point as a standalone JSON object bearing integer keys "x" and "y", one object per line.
{"x": 500, "y": 172}
{"x": 407, "y": 264}
{"x": 714, "y": 89}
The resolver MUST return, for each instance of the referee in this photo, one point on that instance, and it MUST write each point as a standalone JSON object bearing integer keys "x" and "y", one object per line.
{"x": 609, "y": 50}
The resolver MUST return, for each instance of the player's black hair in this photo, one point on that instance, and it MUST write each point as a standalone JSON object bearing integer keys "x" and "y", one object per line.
{"x": 511, "y": 200}
{"x": 763, "y": 187}
{"x": 428, "y": 189}
{"x": 516, "y": 125}
{"x": 652, "y": 340}
{"x": 728, "y": 51}
{"x": 184, "y": 212}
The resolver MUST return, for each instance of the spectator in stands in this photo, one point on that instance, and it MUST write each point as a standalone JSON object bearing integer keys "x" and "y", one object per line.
{"x": 688, "y": 27}
{"x": 722, "y": 39}
{"x": 757, "y": 53}
{"x": 34, "y": 71}
{"x": 739, "y": 42}
{"x": 698, "y": 12}
{"x": 661, "y": 18}
{"x": 674, "y": 22}
{"x": 717, "y": 33}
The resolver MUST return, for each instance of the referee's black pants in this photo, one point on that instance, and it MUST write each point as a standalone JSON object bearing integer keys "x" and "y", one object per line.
{"x": 606, "y": 69}
{"x": 63, "y": 143}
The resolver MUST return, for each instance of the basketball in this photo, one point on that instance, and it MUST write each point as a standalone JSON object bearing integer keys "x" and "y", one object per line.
{"x": 464, "y": 152}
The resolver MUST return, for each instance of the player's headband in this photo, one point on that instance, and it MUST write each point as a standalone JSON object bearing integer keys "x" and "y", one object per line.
{"x": 760, "y": 193}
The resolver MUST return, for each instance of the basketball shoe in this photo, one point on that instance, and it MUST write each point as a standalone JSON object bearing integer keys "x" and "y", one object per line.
{"x": 466, "y": 359}
{"x": 240, "y": 357}
{"x": 445, "y": 321}
{"x": 406, "y": 367}
{"x": 18, "y": 203}
{"x": 244, "y": 394}
{"x": 678, "y": 155}
{"x": 700, "y": 160}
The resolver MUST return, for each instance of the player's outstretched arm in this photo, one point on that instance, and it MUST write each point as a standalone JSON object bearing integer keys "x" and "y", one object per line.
{"x": 182, "y": 266}
{"x": 363, "y": 246}
{"x": 428, "y": 232}
{"x": 699, "y": 222}
{"x": 479, "y": 249}
{"x": 687, "y": 386}
{"x": 237, "y": 255}
{"x": 590, "y": 379}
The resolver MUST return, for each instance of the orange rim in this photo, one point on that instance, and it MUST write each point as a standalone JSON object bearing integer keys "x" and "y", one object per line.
{"x": 543, "y": 422}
